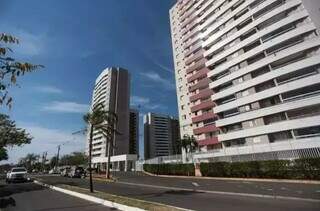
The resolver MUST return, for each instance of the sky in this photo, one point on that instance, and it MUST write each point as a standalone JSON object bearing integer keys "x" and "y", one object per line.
{"x": 75, "y": 40}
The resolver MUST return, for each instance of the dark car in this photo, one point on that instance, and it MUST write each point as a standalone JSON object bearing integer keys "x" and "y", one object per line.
{"x": 77, "y": 172}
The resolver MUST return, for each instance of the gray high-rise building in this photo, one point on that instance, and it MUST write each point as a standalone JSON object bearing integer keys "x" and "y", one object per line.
{"x": 161, "y": 135}
{"x": 134, "y": 132}
{"x": 112, "y": 90}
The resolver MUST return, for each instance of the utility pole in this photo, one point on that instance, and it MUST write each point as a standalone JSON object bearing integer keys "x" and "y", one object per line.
{"x": 44, "y": 159}
{"x": 57, "y": 162}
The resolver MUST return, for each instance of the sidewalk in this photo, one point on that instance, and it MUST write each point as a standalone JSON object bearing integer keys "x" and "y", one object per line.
{"x": 315, "y": 182}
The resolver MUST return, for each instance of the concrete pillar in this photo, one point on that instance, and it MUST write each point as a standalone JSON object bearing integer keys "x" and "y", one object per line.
{"x": 125, "y": 165}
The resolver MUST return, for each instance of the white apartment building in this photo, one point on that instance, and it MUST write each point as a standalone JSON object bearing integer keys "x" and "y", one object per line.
{"x": 247, "y": 72}
{"x": 112, "y": 90}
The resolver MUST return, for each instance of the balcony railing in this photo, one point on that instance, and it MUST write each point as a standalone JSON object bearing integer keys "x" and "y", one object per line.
{"x": 203, "y": 105}
{"x": 205, "y": 93}
{"x": 208, "y": 141}
{"x": 205, "y": 129}
{"x": 199, "y": 74}
{"x": 204, "y": 83}
{"x": 199, "y": 64}
{"x": 205, "y": 116}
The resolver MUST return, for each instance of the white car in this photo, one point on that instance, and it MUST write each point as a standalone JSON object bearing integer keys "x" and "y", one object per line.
{"x": 17, "y": 174}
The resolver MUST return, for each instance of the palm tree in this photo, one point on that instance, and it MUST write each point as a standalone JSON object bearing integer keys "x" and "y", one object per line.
{"x": 93, "y": 119}
{"x": 29, "y": 160}
{"x": 189, "y": 144}
{"x": 109, "y": 130}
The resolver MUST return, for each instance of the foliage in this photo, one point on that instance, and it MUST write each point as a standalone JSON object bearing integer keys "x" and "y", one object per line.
{"x": 105, "y": 122}
{"x": 11, "y": 136}
{"x": 278, "y": 169}
{"x": 189, "y": 143}
{"x": 10, "y": 69}
{"x": 53, "y": 161}
{"x": 170, "y": 169}
{"x": 74, "y": 159}
{"x": 29, "y": 161}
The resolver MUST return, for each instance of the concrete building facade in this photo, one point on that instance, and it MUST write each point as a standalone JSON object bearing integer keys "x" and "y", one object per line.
{"x": 161, "y": 135}
{"x": 134, "y": 132}
{"x": 112, "y": 90}
{"x": 247, "y": 71}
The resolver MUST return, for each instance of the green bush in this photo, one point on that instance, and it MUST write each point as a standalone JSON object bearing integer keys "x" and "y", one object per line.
{"x": 307, "y": 168}
{"x": 170, "y": 169}
{"x": 277, "y": 169}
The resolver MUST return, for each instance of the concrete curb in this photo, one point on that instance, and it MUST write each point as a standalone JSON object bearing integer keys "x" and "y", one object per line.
{"x": 313, "y": 182}
{"x": 91, "y": 198}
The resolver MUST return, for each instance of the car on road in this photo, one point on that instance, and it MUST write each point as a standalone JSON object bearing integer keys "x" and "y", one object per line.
{"x": 18, "y": 174}
{"x": 65, "y": 171}
{"x": 77, "y": 172}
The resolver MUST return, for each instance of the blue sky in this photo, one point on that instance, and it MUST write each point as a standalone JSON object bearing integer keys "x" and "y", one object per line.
{"x": 76, "y": 40}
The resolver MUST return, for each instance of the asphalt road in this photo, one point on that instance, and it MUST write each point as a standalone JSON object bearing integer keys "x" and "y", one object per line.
{"x": 211, "y": 195}
{"x": 32, "y": 197}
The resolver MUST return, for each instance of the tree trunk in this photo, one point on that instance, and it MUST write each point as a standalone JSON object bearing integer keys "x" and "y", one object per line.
{"x": 109, "y": 159}
{"x": 90, "y": 157}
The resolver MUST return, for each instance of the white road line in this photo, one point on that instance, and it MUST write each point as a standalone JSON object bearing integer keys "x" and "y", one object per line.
{"x": 225, "y": 193}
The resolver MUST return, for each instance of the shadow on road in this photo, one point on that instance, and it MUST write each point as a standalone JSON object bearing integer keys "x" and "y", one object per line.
{"x": 8, "y": 190}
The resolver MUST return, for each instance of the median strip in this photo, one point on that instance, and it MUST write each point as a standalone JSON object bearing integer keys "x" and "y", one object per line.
{"x": 110, "y": 200}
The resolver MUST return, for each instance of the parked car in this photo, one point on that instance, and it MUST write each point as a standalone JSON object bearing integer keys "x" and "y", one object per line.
{"x": 77, "y": 172}
{"x": 18, "y": 174}
{"x": 54, "y": 171}
{"x": 65, "y": 171}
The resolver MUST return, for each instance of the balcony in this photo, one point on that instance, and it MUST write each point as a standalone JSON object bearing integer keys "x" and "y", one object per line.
{"x": 205, "y": 129}
{"x": 195, "y": 56}
{"x": 205, "y": 93}
{"x": 203, "y": 117}
{"x": 188, "y": 20}
{"x": 197, "y": 45}
{"x": 203, "y": 105}
{"x": 200, "y": 74}
{"x": 199, "y": 64}
{"x": 208, "y": 141}
{"x": 204, "y": 83}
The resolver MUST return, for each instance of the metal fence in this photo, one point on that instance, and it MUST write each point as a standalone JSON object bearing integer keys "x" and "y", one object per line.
{"x": 304, "y": 148}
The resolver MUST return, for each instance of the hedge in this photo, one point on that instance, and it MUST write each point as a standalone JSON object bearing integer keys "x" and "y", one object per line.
{"x": 308, "y": 168}
{"x": 170, "y": 169}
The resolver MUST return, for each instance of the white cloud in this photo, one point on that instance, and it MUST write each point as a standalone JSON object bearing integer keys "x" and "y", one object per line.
{"x": 48, "y": 89}
{"x": 155, "y": 77}
{"x": 138, "y": 100}
{"x": 47, "y": 139}
{"x": 66, "y": 107}
{"x": 145, "y": 103}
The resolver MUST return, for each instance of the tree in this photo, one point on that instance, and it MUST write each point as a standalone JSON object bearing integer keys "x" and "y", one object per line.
{"x": 109, "y": 130}
{"x": 10, "y": 69}
{"x": 11, "y": 135}
{"x": 93, "y": 120}
{"x": 74, "y": 159}
{"x": 53, "y": 161}
{"x": 29, "y": 161}
{"x": 188, "y": 144}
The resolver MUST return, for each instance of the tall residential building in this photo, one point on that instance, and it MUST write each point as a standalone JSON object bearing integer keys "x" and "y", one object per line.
{"x": 112, "y": 90}
{"x": 247, "y": 72}
{"x": 161, "y": 135}
{"x": 134, "y": 132}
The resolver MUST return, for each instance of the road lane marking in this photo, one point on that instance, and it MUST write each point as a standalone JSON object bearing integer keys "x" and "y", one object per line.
{"x": 225, "y": 193}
